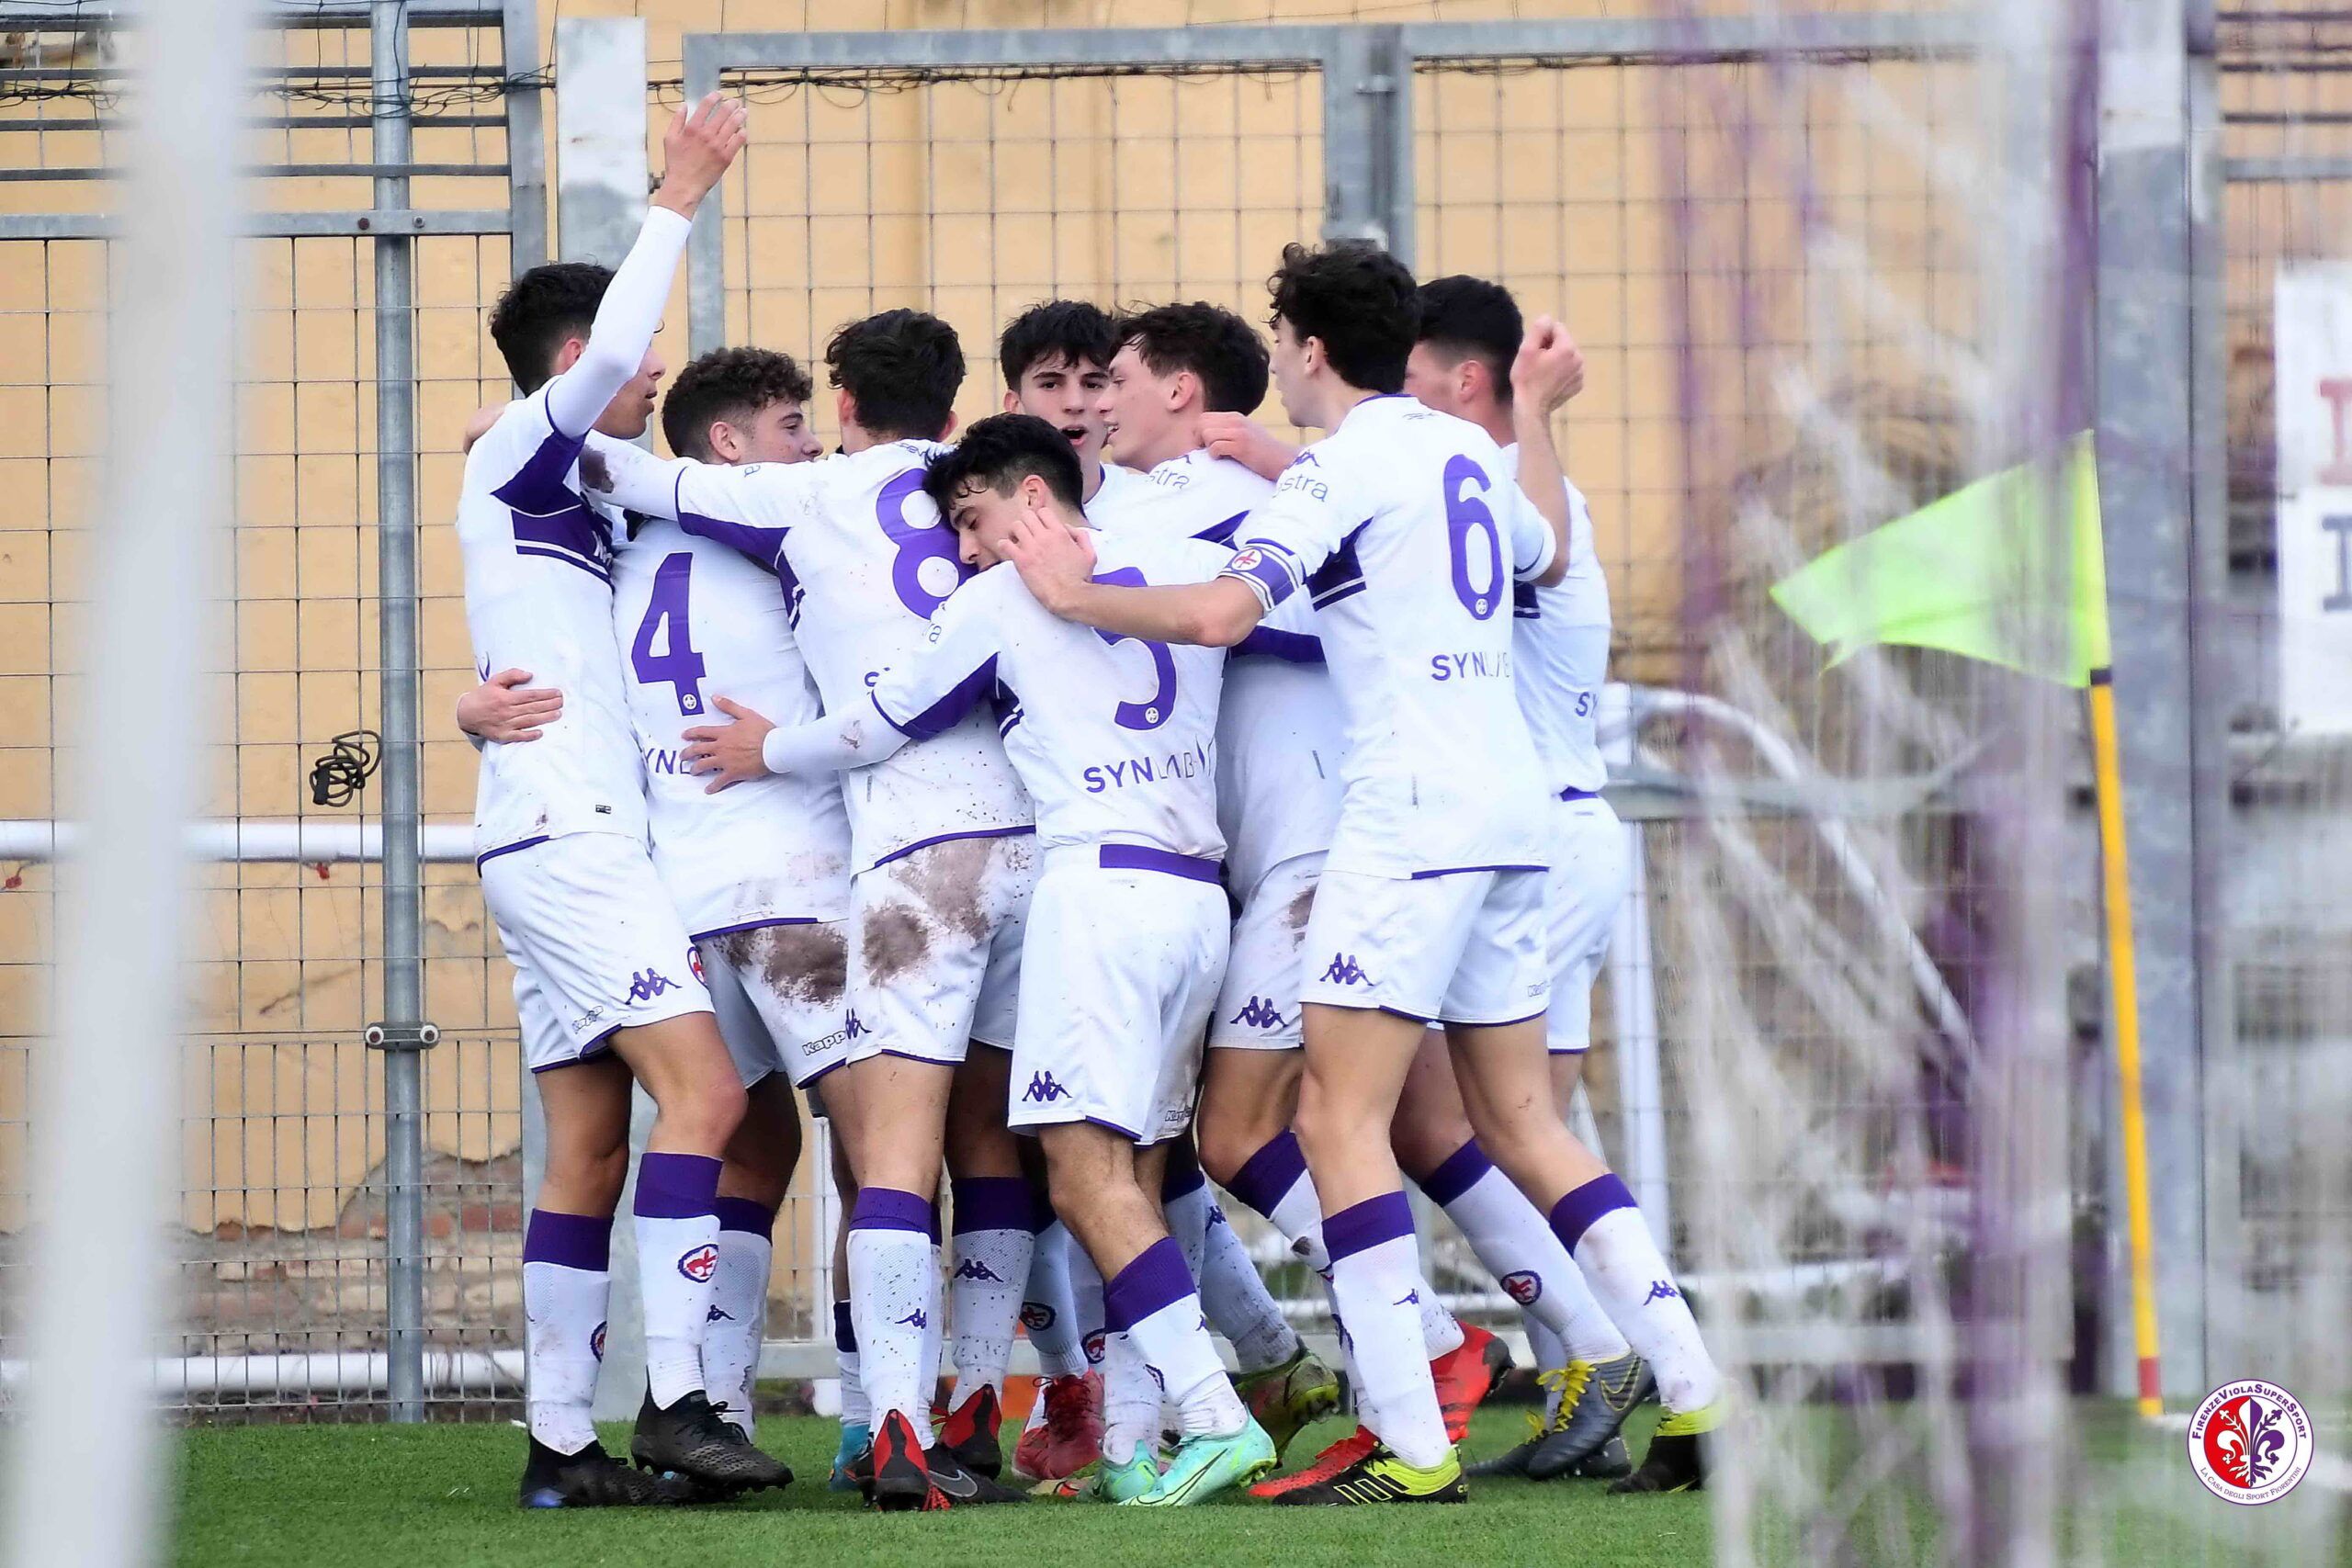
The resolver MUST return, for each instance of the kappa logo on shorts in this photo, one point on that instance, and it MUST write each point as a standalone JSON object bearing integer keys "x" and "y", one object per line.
{"x": 1346, "y": 971}
{"x": 1044, "y": 1089}
{"x": 1524, "y": 1286}
{"x": 1258, "y": 1014}
{"x": 648, "y": 984}
{"x": 973, "y": 1269}
{"x": 852, "y": 1029}
{"x": 1037, "y": 1316}
{"x": 699, "y": 1264}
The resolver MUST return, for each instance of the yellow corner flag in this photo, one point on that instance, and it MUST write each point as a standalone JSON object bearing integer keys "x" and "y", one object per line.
{"x": 1976, "y": 573}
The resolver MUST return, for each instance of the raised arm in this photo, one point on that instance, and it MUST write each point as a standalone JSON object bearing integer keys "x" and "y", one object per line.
{"x": 1548, "y": 371}
{"x": 699, "y": 147}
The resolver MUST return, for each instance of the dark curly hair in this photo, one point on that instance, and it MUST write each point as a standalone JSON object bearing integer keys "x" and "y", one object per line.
{"x": 1470, "y": 318}
{"x": 1000, "y": 451}
{"x": 1074, "y": 331}
{"x": 730, "y": 384}
{"x": 904, "y": 368}
{"x": 1211, "y": 342}
{"x": 1359, "y": 299}
{"x": 539, "y": 310}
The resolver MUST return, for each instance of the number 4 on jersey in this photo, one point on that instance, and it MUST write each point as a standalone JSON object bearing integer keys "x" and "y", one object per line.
{"x": 680, "y": 668}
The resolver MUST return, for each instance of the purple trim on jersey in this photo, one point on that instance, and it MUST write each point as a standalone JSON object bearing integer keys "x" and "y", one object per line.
{"x": 1156, "y": 1279}
{"x": 951, "y": 838}
{"x": 569, "y": 1241}
{"x": 1272, "y": 579}
{"x": 1456, "y": 1174}
{"x": 991, "y": 1203}
{"x": 1574, "y": 1214}
{"x": 1363, "y": 1226}
{"x": 1143, "y": 857}
{"x": 743, "y": 1215}
{"x": 844, "y": 1329}
{"x": 1350, "y": 591}
{"x": 1524, "y": 605}
{"x": 1459, "y": 869}
{"x": 1222, "y": 532}
{"x": 887, "y": 1209}
{"x": 948, "y": 711}
{"x": 1273, "y": 1171}
{"x": 538, "y": 486}
{"x": 676, "y": 1187}
{"x": 1007, "y": 703}
{"x": 489, "y": 855}
{"x": 1579, "y": 794}
{"x": 1341, "y": 573}
{"x": 1270, "y": 642}
{"x": 761, "y": 547}
{"x": 1183, "y": 1176}
{"x": 567, "y": 558}
{"x": 756, "y": 926}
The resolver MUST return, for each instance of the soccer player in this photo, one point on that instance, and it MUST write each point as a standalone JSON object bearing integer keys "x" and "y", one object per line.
{"x": 1118, "y": 747}
{"x": 1056, "y": 362}
{"x": 604, "y": 986}
{"x": 1470, "y": 330}
{"x": 760, "y": 877}
{"x": 942, "y": 854}
{"x": 1405, "y": 526}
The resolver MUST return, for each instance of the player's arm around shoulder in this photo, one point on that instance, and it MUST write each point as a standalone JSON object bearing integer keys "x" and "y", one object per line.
{"x": 1058, "y": 564}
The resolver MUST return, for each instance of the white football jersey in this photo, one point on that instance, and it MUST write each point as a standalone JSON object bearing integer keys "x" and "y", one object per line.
{"x": 538, "y": 562}
{"x": 1119, "y": 487}
{"x": 1279, "y": 743}
{"x": 863, "y": 559}
{"x": 1406, "y": 526}
{"x": 696, "y": 621}
{"x": 1560, "y": 639}
{"x": 1116, "y": 738}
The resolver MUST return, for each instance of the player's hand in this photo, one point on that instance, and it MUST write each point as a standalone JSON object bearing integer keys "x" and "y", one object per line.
{"x": 1247, "y": 443}
{"x": 729, "y": 753}
{"x": 507, "y": 708}
{"x": 1054, "y": 560}
{"x": 1549, "y": 369}
{"x": 702, "y": 140}
{"x": 479, "y": 424}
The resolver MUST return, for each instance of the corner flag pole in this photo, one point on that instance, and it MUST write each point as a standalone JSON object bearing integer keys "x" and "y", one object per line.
{"x": 2123, "y": 997}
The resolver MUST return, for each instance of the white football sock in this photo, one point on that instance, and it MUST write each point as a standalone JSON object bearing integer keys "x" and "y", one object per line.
{"x": 1550, "y": 1357}
{"x": 1516, "y": 1244}
{"x": 893, "y": 1285}
{"x": 677, "y": 1257}
{"x": 1612, "y": 1243}
{"x": 991, "y": 1248}
{"x": 856, "y": 1411}
{"x": 566, "y": 1288}
{"x": 1047, "y": 1312}
{"x": 1130, "y": 1398}
{"x": 738, "y": 1306}
{"x": 1153, "y": 1305}
{"x": 1375, "y": 1274}
{"x": 1275, "y": 1182}
{"x": 1238, "y": 1301}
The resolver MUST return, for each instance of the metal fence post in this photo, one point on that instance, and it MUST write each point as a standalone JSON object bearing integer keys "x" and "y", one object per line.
{"x": 403, "y": 1035}
{"x": 2144, "y": 375}
{"x": 1368, "y": 139}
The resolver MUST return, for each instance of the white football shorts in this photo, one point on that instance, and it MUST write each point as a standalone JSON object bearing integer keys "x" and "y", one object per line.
{"x": 1591, "y": 871}
{"x": 1456, "y": 947}
{"x": 594, "y": 942}
{"x": 792, "y": 979}
{"x": 1127, "y": 948}
{"x": 1258, "y": 1007}
{"x": 935, "y": 949}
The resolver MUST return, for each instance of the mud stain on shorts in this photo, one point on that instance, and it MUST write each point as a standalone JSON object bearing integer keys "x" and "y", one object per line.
{"x": 808, "y": 964}
{"x": 896, "y": 941}
{"x": 950, "y": 880}
{"x": 1300, "y": 909}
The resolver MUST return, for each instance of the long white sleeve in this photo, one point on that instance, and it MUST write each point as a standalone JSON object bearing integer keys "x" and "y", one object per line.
{"x": 831, "y": 744}
{"x": 625, "y": 322}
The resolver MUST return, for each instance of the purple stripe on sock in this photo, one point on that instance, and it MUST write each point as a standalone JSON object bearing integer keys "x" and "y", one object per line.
{"x": 676, "y": 1187}
{"x": 1462, "y": 1170}
{"x": 1270, "y": 1173}
{"x": 1361, "y": 1226}
{"x": 886, "y": 1209}
{"x": 1573, "y": 1215}
{"x": 742, "y": 1214}
{"x": 1157, "y": 1277}
{"x": 991, "y": 1203}
{"x": 571, "y": 1241}
{"x": 844, "y": 1330}
{"x": 1183, "y": 1174}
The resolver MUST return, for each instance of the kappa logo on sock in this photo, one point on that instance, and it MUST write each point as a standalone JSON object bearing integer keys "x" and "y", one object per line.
{"x": 699, "y": 1263}
{"x": 1092, "y": 1345}
{"x": 1036, "y": 1317}
{"x": 648, "y": 984}
{"x": 1346, "y": 971}
{"x": 1411, "y": 1299}
{"x": 915, "y": 1319}
{"x": 973, "y": 1269}
{"x": 1156, "y": 1377}
{"x": 1524, "y": 1286}
{"x": 1044, "y": 1089}
{"x": 715, "y": 1315}
{"x": 596, "y": 1343}
{"x": 1258, "y": 1014}
{"x": 1662, "y": 1291}
{"x": 1216, "y": 1216}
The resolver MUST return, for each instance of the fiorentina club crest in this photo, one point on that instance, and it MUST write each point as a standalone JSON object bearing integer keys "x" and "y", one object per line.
{"x": 2250, "y": 1442}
